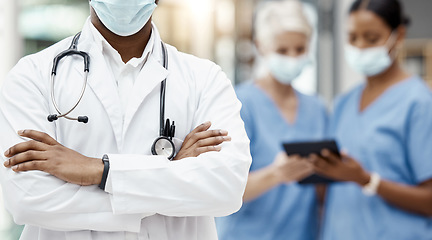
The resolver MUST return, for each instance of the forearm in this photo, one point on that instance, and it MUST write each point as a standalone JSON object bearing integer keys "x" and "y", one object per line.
{"x": 415, "y": 199}
{"x": 259, "y": 182}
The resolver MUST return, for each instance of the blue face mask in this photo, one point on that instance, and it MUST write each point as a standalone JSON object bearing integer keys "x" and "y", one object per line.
{"x": 370, "y": 61}
{"x": 124, "y": 17}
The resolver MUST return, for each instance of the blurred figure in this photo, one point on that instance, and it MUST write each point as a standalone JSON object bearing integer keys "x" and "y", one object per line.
{"x": 385, "y": 125}
{"x": 274, "y": 112}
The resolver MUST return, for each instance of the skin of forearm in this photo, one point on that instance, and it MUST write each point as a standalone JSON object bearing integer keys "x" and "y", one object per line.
{"x": 415, "y": 199}
{"x": 259, "y": 182}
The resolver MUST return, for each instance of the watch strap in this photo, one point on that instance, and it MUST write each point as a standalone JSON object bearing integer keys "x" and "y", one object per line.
{"x": 106, "y": 163}
{"x": 371, "y": 188}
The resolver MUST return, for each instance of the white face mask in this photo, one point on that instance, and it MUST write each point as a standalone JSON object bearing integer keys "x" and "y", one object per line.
{"x": 370, "y": 61}
{"x": 124, "y": 17}
{"x": 285, "y": 69}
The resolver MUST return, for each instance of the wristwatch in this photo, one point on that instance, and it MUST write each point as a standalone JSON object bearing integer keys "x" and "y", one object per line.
{"x": 105, "y": 161}
{"x": 371, "y": 188}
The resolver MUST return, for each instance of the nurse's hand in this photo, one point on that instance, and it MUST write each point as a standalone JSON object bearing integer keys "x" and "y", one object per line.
{"x": 290, "y": 169}
{"x": 283, "y": 170}
{"x": 202, "y": 140}
{"x": 343, "y": 168}
{"x": 45, "y": 154}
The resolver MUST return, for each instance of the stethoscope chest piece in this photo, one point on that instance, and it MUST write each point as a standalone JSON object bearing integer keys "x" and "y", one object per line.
{"x": 163, "y": 146}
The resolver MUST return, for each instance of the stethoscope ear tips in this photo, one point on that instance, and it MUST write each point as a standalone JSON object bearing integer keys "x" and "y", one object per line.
{"x": 83, "y": 119}
{"x": 52, "y": 118}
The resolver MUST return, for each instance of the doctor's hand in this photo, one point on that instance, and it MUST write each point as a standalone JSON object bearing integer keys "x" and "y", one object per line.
{"x": 45, "y": 154}
{"x": 343, "y": 168}
{"x": 290, "y": 169}
{"x": 202, "y": 140}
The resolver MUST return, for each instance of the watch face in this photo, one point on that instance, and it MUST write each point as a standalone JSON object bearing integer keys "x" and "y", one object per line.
{"x": 163, "y": 147}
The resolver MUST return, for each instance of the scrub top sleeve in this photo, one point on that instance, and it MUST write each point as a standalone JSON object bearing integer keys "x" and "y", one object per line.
{"x": 37, "y": 198}
{"x": 419, "y": 142}
{"x": 247, "y": 118}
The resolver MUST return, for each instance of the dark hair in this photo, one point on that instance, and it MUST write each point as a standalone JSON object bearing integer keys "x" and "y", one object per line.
{"x": 391, "y": 11}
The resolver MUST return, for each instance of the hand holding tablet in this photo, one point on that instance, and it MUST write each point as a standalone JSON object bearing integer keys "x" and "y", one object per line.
{"x": 304, "y": 149}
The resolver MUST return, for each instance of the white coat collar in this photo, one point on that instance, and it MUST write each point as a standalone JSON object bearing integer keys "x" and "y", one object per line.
{"x": 103, "y": 83}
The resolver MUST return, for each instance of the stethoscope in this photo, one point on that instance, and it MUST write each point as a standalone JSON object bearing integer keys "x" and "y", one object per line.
{"x": 163, "y": 145}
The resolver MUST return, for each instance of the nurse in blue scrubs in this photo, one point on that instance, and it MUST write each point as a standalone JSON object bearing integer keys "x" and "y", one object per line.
{"x": 385, "y": 128}
{"x": 275, "y": 206}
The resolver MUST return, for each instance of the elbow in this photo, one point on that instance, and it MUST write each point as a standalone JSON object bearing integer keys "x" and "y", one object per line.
{"x": 21, "y": 214}
{"x": 228, "y": 205}
{"x": 22, "y": 211}
{"x": 230, "y": 199}
{"x": 231, "y": 187}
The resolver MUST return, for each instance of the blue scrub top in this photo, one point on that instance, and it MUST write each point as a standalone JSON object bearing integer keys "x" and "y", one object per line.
{"x": 392, "y": 137}
{"x": 287, "y": 211}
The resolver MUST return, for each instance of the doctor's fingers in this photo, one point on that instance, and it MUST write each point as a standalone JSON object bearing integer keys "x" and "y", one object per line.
{"x": 38, "y": 136}
{"x": 30, "y": 166}
{"x": 204, "y": 135}
{"x": 201, "y": 150}
{"x": 200, "y": 128}
{"x": 212, "y": 141}
{"x": 25, "y": 157}
{"x": 26, "y": 146}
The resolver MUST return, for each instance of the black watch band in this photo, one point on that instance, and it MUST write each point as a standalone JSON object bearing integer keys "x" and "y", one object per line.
{"x": 106, "y": 163}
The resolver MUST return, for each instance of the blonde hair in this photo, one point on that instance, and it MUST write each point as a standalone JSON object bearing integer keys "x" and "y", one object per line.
{"x": 276, "y": 17}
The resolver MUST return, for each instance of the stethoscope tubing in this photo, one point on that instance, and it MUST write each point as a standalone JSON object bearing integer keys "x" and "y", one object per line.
{"x": 162, "y": 94}
{"x": 65, "y": 115}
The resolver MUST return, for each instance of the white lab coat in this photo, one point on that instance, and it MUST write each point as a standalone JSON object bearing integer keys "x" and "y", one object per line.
{"x": 151, "y": 196}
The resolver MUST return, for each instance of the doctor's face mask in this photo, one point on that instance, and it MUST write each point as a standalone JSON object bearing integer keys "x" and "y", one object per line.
{"x": 124, "y": 17}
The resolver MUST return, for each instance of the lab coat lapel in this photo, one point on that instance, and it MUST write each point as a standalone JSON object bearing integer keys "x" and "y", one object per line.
{"x": 102, "y": 83}
{"x": 150, "y": 77}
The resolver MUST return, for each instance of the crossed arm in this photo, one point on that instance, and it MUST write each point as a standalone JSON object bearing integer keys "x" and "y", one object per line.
{"x": 44, "y": 153}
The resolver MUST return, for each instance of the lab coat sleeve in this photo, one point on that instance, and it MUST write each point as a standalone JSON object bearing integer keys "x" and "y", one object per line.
{"x": 419, "y": 141}
{"x": 209, "y": 185}
{"x": 37, "y": 198}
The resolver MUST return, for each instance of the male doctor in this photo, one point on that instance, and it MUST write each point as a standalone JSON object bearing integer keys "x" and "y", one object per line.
{"x": 54, "y": 180}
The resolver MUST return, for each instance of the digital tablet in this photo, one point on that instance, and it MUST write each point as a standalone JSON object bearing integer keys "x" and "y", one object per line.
{"x": 304, "y": 149}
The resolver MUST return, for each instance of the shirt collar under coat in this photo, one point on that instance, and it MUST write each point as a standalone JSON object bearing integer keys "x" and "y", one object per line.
{"x": 106, "y": 48}
{"x": 104, "y": 85}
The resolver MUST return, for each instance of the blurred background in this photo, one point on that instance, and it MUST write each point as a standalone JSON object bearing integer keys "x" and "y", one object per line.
{"x": 220, "y": 30}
